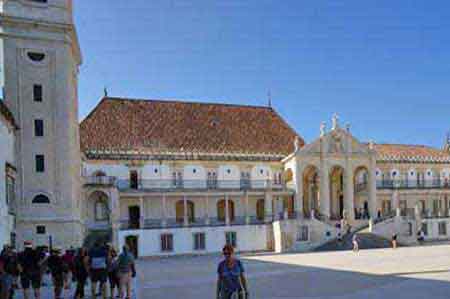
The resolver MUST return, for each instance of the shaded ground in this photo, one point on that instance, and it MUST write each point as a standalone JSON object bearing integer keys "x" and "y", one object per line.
{"x": 419, "y": 272}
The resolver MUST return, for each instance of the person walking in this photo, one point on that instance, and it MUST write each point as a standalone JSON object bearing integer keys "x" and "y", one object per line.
{"x": 81, "y": 272}
{"x": 231, "y": 282}
{"x": 98, "y": 257}
{"x": 126, "y": 271}
{"x": 30, "y": 267}
{"x": 11, "y": 270}
{"x": 355, "y": 242}
{"x": 59, "y": 270}
{"x": 394, "y": 241}
{"x": 68, "y": 258}
{"x": 113, "y": 275}
{"x": 5, "y": 278}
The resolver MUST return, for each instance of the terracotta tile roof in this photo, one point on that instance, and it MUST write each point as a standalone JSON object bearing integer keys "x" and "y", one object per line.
{"x": 118, "y": 124}
{"x": 411, "y": 153}
{"x": 6, "y": 113}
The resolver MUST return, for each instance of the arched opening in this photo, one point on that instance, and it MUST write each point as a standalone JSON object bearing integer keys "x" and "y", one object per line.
{"x": 260, "y": 209}
{"x": 133, "y": 244}
{"x": 311, "y": 191}
{"x": 99, "y": 207}
{"x": 41, "y": 199}
{"x": 179, "y": 207}
{"x": 337, "y": 193}
{"x": 221, "y": 215}
{"x": 361, "y": 193}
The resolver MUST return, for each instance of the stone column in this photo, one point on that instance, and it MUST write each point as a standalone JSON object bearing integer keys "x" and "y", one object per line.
{"x": 349, "y": 203}
{"x": 395, "y": 200}
{"x": 142, "y": 210}
{"x": 324, "y": 190}
{"x": 373, "y": 209}
{"x": 268, "y": 207}
{"x": 164, "y": 211}
{"x": 298, "y": 199}
{"x": 115, "y": 216}
{"x": 185, "y": 212}
{"x": 227, "y": 211}
{"x": 206, "y": 210}
{"x": 247, "y": 216}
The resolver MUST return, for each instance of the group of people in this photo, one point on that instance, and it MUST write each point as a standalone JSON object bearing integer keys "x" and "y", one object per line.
{"x": 100, "y": 264}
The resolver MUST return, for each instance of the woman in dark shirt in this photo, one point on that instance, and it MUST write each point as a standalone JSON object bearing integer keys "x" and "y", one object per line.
{"x": 231, "y": 280}
{"x": 81, "y": 266}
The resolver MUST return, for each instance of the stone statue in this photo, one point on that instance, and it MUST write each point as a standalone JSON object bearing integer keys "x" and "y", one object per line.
{"x": 323, "y": 128}
{"x": 335, "y": 121}
{"x": 296, "y": 144}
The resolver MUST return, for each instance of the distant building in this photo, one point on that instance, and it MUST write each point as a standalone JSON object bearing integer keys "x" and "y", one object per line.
{"x": 7, "y": 176}
{"x": 173, "y": 177}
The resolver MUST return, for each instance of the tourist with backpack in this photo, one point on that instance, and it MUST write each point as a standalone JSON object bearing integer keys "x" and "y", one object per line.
{"x": 98, "y": 257}
{"x": 126, "y": 271}
{"x": 231, "y": 282}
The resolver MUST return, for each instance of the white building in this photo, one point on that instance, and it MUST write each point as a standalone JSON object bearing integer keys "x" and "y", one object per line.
{"x": 7, "y": 176}
{"x": 172, "y": 177}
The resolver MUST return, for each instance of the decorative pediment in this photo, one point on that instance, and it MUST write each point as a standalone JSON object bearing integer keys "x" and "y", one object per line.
{"x": 335, "y": 143}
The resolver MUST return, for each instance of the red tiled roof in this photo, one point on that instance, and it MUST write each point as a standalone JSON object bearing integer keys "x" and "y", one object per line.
{"x": 6, "y": 113}
{"x": 410, "y": 152}
{"x": 175, "y": 126}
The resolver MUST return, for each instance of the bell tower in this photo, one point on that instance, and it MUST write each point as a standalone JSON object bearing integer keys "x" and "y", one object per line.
{"x": 39, "y": 60}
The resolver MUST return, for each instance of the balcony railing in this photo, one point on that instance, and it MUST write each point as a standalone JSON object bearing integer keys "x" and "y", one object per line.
{"x": 127, "y": 224}
{"x": 100, "y": 180}
{"x": 413, "y": 184}
{"x": 174, "y": 185}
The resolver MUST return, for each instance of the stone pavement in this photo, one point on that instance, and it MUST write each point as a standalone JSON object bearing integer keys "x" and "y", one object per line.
{"x": 47, "y": 291}
{"x": 411, "y": 272}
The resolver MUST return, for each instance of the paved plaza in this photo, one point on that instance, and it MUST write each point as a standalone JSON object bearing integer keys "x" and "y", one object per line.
{"x": 413, "y": 272}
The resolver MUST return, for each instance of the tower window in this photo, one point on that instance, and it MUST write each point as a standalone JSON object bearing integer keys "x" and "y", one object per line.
{"x": 40, "y": 163}
{"x": 34, "y": 56}
{"x": 37, "y": 93}
{"x": 40, "y": 230}
{"x": 38, "y": 128}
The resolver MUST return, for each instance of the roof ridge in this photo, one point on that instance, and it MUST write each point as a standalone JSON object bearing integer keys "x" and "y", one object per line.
{"x": 183, "y": 101}
{"x": 405, "y": 144}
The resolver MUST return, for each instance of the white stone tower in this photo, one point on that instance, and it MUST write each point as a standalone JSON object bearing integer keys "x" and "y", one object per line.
{"x": 39, "y": 60}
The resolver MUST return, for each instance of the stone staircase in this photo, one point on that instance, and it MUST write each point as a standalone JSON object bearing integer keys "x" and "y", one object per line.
{"x": 366, "y": 239}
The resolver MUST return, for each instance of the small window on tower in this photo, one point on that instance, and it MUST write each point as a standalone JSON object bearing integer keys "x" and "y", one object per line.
{"x": 40, "y": 230}
{"x": 35, "y": 56}
{"x": 40, "y": 163}
{"x": 38, "y": 127}
{"x": 37, "y": 93}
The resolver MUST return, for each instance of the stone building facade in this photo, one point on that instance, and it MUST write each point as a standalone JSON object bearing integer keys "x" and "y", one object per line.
{"x": 172, "y": 177}
{"x": 39, "y": 60}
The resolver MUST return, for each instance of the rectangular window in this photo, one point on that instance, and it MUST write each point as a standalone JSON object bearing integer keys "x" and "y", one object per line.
{"x": 199, "y": 241}
{"x": 40, "y": 163}
{"x": 303, "y": 233}
{"x": 40, "y": 230}
{"x": 10, "y": 193}
{"x": 38, "y": 127}
{"x": 231, "y": 239}
{"x": 37, "y": 93}
{"x": 166, "y": 242}
{"x": 442, "y": 228}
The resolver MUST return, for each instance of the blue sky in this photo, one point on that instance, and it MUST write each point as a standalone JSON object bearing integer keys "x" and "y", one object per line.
{"x": 384, "y": 66}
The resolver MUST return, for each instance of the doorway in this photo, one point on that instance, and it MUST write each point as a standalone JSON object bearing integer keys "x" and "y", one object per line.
{"x": 134, "y": 216}
{"x": 132, "y": 243}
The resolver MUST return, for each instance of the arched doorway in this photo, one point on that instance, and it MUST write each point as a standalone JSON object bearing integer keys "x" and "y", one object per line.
{"x": 221, "y": 215}
{"x": 180, "y": 211}
{"x": 337, "y": 193}
{"x": 361, "y": 193}
{"x": 311, "y": 191}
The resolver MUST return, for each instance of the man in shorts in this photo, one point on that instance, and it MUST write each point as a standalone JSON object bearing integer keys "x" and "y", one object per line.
{"x": 98, "y": 257}
{"x": 126, "y": 271}
{"x": 59, "y": 270}
{"x": 30, "y": 263}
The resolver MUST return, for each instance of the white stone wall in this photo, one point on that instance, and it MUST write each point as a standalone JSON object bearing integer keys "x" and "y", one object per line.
{"x": 57, "y": 74}
{"x": 249, "y": 238}
{"x": 6, "y": 156}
